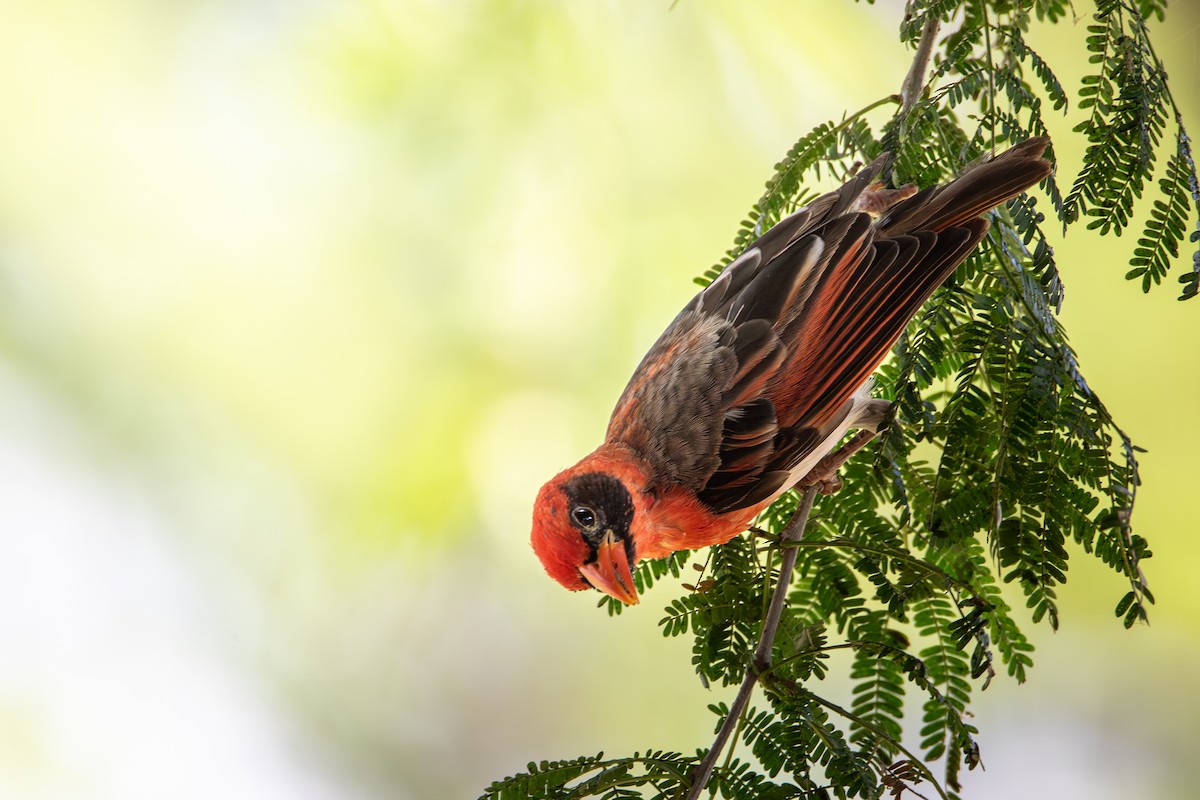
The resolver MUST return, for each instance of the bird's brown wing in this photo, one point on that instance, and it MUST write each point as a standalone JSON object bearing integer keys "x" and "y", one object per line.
{"x": 696, "y": 401}
{"x": 868, "y": 294}
{"x": 761, "y": 365}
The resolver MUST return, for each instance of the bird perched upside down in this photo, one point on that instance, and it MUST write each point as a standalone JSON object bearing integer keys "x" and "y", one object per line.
{"x": 764, "y": 371}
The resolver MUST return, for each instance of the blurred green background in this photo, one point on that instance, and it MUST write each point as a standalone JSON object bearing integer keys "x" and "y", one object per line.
{"x": 301, "y": 301}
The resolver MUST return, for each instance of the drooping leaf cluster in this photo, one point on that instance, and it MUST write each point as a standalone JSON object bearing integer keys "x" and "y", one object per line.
{"x": 1001, "y": 464}
{"x": 654, "y": 774}
{"x": 1129, "y": 108}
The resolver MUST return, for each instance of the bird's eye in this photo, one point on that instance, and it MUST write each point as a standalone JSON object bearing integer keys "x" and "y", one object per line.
{"x": 584, "y": 517}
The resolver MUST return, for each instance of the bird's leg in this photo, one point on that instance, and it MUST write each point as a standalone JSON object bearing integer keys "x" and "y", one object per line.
{"x": 824, "y": 475}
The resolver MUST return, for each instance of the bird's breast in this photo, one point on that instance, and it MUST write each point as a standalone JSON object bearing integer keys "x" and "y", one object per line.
{"x": 676, "y": 520}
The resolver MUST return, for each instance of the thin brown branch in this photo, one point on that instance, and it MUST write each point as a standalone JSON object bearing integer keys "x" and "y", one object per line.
{"x": 910, "y": 90}
{"x": 761, "y": 662}
{"x": 914, "y": 81}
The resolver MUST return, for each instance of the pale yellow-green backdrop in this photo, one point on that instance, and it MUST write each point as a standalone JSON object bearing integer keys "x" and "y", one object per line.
{"x": 301, "y": 301}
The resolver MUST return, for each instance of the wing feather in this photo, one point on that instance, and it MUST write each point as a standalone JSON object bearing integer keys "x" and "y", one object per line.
{"x": 762, "y": 366}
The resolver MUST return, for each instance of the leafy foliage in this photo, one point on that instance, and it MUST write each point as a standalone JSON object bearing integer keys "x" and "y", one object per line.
{"x": 1001, "y": 466}
{"x": 596, "y": 776}
{"x": 1130, "y": 104}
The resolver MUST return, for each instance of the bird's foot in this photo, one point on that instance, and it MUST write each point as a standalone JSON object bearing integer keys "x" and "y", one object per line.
{"x": 824, "y": 475}
{"x": 878, "y": 199}
{"x": 829, "y": 485}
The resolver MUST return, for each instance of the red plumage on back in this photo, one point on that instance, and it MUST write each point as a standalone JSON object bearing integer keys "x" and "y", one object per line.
{"x": 764, "y": 371}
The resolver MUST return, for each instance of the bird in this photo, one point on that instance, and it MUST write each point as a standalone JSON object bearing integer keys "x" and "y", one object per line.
{"x": 765, "y": 370}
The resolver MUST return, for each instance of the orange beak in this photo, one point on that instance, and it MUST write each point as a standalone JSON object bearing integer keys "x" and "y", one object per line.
{"x": 610, "y": 574}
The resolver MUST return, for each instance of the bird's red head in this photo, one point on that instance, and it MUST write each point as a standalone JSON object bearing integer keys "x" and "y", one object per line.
{"x": 581, "y": 532}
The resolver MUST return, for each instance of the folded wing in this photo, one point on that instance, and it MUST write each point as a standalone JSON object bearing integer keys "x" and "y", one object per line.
{"x": 763, "y": 364}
